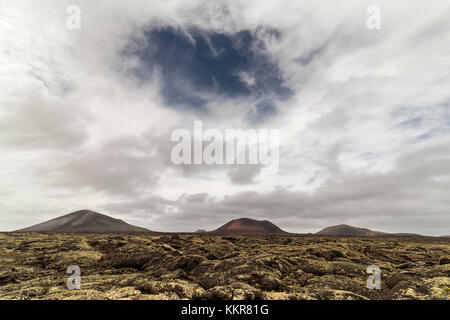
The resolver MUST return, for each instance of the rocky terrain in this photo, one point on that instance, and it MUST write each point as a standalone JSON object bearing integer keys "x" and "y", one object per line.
{"x": 205, "y": 266}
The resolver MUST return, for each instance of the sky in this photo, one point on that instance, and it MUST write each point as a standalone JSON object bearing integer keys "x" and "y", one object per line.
{"x": 86, "y": 115}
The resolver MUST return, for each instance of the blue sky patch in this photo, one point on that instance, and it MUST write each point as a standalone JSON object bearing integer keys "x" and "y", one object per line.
{"x": 196, "y": 63}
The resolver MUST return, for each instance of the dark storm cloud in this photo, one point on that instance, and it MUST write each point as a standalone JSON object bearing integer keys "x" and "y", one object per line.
{"x": 194, "y": 63}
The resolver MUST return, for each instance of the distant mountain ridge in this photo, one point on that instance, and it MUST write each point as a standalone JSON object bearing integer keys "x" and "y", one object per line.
{"x": 346, "y": 230}
{"x": 84, "y": 221}
{"x": 249, "y": 226}
{"x": 91, "y": 221}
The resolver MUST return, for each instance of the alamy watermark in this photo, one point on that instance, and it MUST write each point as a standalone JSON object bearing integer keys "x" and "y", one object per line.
{"x": 227, "y": 147}
{"x": 74, "y": 19}
{"x": 374, "y": 281}
{"x": 374, "y": 19}
{"x": 74, "y": 281}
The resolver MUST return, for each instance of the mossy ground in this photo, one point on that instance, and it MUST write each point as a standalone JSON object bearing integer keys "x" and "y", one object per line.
{"x": 145, "y": 266}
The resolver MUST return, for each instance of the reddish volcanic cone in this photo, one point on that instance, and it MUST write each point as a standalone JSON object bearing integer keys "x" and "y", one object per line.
{"x": 249, "y": 226}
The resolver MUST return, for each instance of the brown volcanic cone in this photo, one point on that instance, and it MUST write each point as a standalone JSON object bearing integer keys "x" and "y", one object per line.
{"x": 84, "y": 221}
{"x": 249, "y": 226}
{"x": 346, "y": 230}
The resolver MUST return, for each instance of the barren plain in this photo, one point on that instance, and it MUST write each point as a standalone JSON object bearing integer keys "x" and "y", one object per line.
{"x": 205, "y": 266}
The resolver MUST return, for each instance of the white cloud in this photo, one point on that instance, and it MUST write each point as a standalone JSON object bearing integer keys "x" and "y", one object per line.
{"x": 368, "y": 118}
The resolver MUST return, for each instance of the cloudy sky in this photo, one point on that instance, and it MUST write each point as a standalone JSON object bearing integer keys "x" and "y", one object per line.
{"x": 86, "y": 115}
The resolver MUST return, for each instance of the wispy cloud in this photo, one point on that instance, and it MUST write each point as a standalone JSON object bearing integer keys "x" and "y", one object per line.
{"x": 86, "y": 115}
